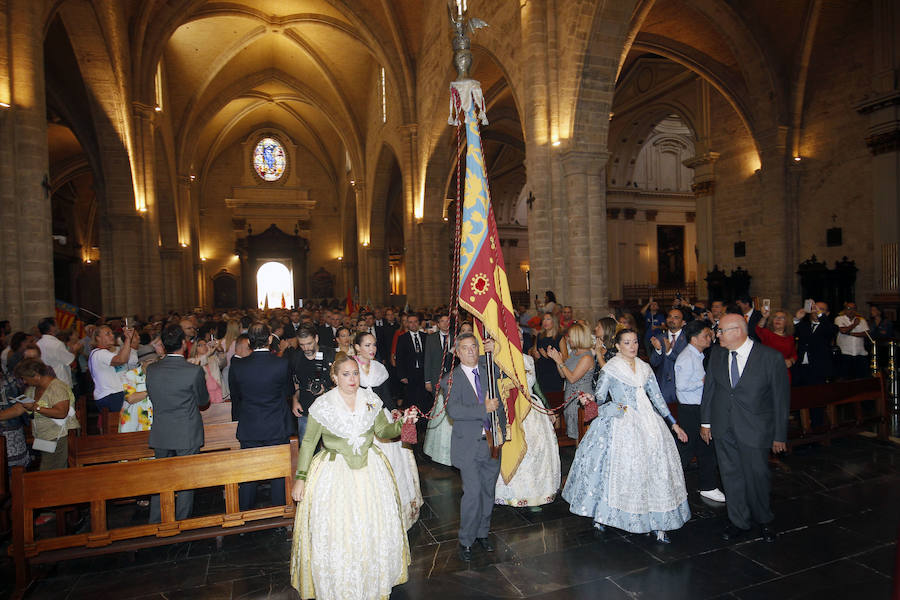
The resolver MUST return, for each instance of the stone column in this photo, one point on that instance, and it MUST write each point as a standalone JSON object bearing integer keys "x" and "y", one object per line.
{"x": 26, "y": 254}
{"x": 585, "y": 253}
{"x": 704, "y": 188}
{"x": 883, "y": 139}
{"x": 536, "y": 123}
{"x": 145, "y": 180}
{"x": 378, "y": 281}
{"x": 416, "y": 267}
{"x": 171, "y": 261}
{"x": 436, "y": 274}
{"x": 125, "y": 289}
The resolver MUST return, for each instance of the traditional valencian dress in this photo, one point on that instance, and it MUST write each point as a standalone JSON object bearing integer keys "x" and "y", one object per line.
{"x": 536, "y": 481}
{"x": 349, "y": 539}
{"x": 626, "y": 471}
{"x": 439, "y": 432}
{"x": 402, "y": 460}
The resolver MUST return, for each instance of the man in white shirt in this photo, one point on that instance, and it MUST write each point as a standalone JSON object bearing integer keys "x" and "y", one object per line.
{"x": 53, "y": 352}
{"x": 689, "y": 376}
{"x": 851, "y": 336}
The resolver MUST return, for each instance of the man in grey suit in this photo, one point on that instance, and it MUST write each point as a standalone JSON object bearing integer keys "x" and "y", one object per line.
{"x": 469, "y": 451}
{"x": 178, "y": 389}
{"x": 745, "y": 404}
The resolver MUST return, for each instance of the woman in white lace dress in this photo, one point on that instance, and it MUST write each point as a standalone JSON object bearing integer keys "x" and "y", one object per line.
{"x": 349, "y": 541}
{"x": 626, "y": 472}
{"x": 373, "y": 375}
{"x": 536, "y": 481}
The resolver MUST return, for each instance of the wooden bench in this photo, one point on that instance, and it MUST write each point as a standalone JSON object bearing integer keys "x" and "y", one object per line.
{"x": 866, "y": 397}
{"x": 99, "y": 484}
{"x": 213, "y": 413}
{"x": 115, "y": 447}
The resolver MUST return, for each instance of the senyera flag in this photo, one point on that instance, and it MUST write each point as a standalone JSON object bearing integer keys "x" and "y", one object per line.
{"x": 483, "y": 288}
{"x": 67, "y": 317}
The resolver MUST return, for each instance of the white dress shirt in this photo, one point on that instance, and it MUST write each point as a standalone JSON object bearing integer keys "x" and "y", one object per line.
{"x": 743, "y": 353}
{"x": 56, "y": 356}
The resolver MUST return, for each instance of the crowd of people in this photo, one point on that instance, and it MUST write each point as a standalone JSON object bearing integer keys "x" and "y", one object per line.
{"x": 348, "y": 384}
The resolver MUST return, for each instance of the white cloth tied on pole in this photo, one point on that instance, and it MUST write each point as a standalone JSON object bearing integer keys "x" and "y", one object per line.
{"x": 465, "y": 94}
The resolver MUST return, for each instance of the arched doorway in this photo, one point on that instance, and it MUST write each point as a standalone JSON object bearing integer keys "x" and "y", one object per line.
{"x": 274, "y": 285}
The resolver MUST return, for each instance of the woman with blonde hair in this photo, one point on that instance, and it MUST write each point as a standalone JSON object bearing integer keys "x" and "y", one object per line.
{"x": 232, "y": 332}
{"x": 578, "y": 371}
{"x": 204, "y": 354}
{"x": 348, "y": 505}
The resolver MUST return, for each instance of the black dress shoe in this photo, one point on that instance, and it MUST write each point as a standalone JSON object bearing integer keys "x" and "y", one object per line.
{"x": 768, "y": 534}
{"x": 732, "y": 532}
{"x": 465, "y": 553}
{"x": 485, "y": 543}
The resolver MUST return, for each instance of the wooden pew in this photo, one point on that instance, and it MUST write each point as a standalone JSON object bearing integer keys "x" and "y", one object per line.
{"x": 857, "y": 393}
{"x": 114, "y": 447}
{"x": 96, "y": 485}
{"x": 213, "y": 413}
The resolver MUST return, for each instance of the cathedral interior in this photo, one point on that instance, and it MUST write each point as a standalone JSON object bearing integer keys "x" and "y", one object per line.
{"x": 166, "y": 155}
{"x": 156, "y": 155}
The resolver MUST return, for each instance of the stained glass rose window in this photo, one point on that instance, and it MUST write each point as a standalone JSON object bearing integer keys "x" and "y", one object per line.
{"x": 269, "y": 159}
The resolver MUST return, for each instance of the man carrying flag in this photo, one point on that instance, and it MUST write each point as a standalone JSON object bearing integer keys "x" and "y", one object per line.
{"x": 484, "y": 417}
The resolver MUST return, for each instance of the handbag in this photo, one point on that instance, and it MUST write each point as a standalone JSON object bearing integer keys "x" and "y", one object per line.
{"x": 50, "y": 445}
{"x": 591, "y": 410}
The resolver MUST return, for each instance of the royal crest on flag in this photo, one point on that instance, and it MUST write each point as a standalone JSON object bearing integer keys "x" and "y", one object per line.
{"x": 483, "y": 287}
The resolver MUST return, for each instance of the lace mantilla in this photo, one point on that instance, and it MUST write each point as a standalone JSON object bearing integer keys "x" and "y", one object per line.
{"x": 377, "y": 375}
{"x": 331, "y": 411}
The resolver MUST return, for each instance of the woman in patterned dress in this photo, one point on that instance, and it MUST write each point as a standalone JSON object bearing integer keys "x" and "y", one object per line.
{"x": 627, "y": 472}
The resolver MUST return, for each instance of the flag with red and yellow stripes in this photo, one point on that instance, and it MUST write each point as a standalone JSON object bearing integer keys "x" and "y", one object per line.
{"x": 484, "y": 291}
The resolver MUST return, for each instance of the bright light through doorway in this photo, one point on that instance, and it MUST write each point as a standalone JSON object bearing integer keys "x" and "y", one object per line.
{"x": 274, "y": 280}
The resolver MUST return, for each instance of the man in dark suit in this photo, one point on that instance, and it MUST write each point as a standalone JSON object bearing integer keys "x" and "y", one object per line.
{"x": 328, "y": 330}
{"x": 751, "y": 316}
{"x": 815, "y": 333}
{"x": 261, "y": 389}
{"x": 666, "y": 346}
{"x": 437, "y": 347}
{"x": 469, "y": 407}
{"x": 178, "y": 390}
{"x": 411, "y": 368}
{"x": 746, "y": 398}
{"x": 384, "y": 334}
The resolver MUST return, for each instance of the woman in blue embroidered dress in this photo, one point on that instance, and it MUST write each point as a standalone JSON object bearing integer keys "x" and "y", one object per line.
{"x": 626, "y": 472}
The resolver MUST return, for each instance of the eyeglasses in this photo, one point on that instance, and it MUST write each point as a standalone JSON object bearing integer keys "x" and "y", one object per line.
{"x": 721, "y": 331}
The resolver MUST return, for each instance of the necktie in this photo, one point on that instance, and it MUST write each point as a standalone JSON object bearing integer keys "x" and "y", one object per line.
{"x": 443, "y": 342}
{"x": 478, "y": 386}
{"x": 416, "y": 342}
{"x": 486, "y": 422}
{"x": 735, "y": 373}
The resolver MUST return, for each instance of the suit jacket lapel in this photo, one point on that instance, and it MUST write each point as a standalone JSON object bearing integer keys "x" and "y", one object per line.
{"x": 751, "y": 365}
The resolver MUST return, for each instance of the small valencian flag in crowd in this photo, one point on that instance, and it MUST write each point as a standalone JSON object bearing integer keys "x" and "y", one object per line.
{"x": 483, "y": 288}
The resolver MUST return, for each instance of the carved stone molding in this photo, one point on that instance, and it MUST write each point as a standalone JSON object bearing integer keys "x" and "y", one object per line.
{"x": 612, "y": 213}
{"x": 651, "y": 215}
{"x": 883, "y": 143}
{"x": 690, "y": 217}
{"x": 704, "y": 188}
{"x": 630, "y": 213}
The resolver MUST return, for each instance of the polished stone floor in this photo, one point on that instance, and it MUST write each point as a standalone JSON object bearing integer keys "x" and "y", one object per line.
{"x": 837, "y": 510}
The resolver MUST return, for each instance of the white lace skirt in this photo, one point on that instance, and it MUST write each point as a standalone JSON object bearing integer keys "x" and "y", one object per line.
{"x": 349, "y": 540}
{"x": 537, "y": 479}
{"x": 406, "y": 473}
